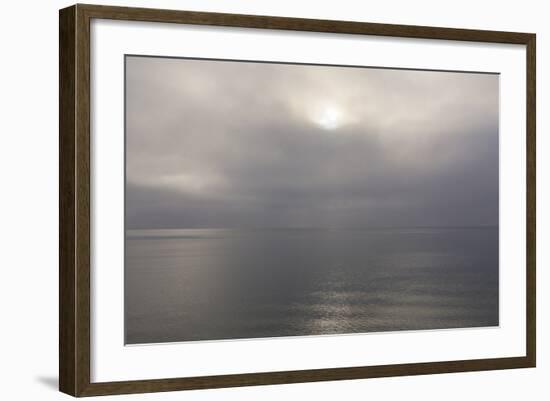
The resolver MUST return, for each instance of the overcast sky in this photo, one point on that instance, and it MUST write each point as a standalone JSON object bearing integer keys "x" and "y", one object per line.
{"x": 236, "y": 144}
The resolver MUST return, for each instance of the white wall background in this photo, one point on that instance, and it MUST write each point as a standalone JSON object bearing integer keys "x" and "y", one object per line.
{"x": 28, "y": 198}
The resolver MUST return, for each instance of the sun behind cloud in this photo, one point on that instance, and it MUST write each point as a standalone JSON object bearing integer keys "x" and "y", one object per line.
{"x": 328, "y": 117}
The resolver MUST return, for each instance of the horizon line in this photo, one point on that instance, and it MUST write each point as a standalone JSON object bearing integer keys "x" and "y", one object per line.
{"x": 312, "y": 227}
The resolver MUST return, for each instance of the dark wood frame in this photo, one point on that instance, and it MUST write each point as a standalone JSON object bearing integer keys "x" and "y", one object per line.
{"x": 74, "y": 199}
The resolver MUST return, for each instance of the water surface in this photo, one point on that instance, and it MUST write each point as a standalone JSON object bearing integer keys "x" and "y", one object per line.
{"x": 211, "y": 284}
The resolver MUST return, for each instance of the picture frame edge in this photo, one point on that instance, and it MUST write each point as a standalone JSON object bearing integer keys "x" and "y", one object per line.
{"x": 67, "y": 271}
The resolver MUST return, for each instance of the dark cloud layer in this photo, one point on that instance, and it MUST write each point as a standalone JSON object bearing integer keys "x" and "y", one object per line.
{"x": 234, "y": 144}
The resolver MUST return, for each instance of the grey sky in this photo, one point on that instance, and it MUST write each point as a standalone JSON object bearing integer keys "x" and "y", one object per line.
{"x": 236, "y": 144}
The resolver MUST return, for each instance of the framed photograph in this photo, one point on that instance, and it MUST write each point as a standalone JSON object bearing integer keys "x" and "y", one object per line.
{"x": 250, "y": 200}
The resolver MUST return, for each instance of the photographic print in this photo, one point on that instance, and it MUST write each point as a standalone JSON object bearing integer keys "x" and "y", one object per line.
{"x": 275, "y": 199}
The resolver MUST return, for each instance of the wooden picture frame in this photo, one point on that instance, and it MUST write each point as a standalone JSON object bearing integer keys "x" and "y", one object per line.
{"x": 74, "y": 200}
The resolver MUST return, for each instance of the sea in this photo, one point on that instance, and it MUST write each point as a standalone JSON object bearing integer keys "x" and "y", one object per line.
{"x": 222, "y": 284}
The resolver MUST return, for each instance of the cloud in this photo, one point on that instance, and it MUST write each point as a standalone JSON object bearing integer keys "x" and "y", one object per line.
{"x": 237, "y": 144}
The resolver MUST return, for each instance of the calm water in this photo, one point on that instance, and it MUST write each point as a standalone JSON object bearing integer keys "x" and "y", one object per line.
{"x": 220, "y": 284}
